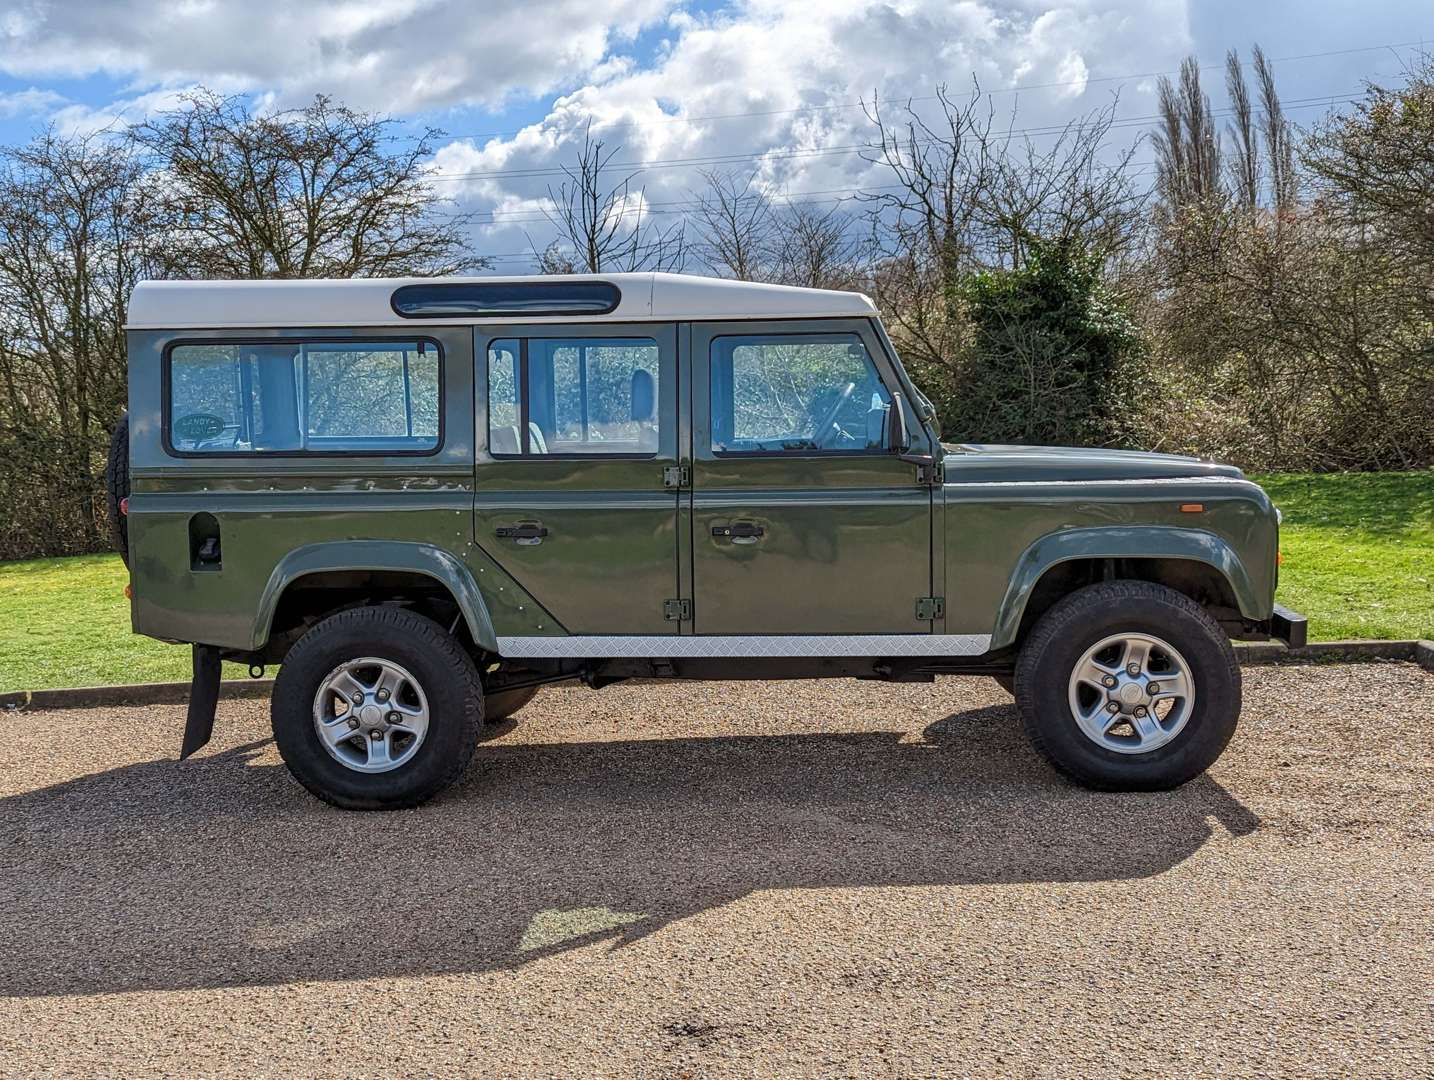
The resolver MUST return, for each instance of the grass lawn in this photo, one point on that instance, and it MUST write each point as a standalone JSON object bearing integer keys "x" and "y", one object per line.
{"x": 1359, "y": 552}
{"x": 65, "y": 622}
{"x": 1359, "y": 562}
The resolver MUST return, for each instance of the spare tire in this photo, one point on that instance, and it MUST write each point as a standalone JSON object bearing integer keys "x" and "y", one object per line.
{"x": 117, "y": 486}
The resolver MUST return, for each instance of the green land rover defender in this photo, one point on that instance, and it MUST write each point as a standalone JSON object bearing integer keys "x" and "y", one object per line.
{"x": 427, "y": 498}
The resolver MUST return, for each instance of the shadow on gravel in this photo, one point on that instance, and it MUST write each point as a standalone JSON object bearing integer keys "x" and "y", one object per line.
{"x": 219, "y": 872}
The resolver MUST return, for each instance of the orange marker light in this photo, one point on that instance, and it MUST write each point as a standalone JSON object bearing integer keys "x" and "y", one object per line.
{"x": 1192, "y": 508}
{"x": 124, "y": 506}
{"x": 128, "y": 591}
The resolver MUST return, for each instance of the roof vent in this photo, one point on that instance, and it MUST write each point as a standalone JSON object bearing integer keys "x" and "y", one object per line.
{"x": 530, "y": 299}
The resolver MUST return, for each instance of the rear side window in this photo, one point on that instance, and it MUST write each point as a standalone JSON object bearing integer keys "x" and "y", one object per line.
{"x": 796, "y": 393}
{"x": 295, "y": 397}
{"x": 564, "y": 396}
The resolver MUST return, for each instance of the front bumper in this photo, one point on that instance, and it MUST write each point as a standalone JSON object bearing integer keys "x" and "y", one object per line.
{"x": 1289, "y": 626}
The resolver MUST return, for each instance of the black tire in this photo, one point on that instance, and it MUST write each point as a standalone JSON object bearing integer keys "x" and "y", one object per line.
{"x": 497, "y": 707}
{"x": 117, "y": 486}
{"x": 1084, "y": 618}
{"x": 449, "y": 680}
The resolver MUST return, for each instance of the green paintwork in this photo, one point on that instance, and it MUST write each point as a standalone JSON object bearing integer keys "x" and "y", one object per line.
{"x": 610, "y": 557}
{"x": 846, "y": 545}
{"x": 1013, "y": 513}
{"x": 850, "y": 543}
{"x": 425, "y": 559}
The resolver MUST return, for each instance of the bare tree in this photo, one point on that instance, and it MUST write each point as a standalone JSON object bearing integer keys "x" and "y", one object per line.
{"x": 965, "y": 198}
{"x": 736, "y": 226}
{"x": 603, "y": 222}
{"x": 816, "y": 248}
{"x": 1279, "y": 142}
{"x": 77, "y": 230}
{"x": 1187, "y": 146}
{"x": 322, "y": 191}
{"x": 1245, "y": 165}
{"x": 1072, "y": 191}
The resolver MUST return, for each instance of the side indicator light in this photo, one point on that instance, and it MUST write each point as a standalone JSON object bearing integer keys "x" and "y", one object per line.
{"x": 124, "y": 506}
{"x": 1192, "y": 508}
{"x": 129, "y": 591}
{"x": 1279, "y": 558}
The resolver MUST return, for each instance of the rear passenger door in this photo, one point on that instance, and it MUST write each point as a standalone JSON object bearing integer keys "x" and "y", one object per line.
{"x": 576, "y": 427}
{"x": 805, "y": 521}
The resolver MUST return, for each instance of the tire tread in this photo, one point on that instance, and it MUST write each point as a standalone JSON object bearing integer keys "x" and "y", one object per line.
{"x": 1071, "y": 612}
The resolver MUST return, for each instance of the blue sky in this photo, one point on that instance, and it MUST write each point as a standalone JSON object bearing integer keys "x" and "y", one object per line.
{"x": 515, "y": 83}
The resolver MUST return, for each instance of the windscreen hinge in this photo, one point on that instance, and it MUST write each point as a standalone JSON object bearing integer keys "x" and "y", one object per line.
{"x": 677, "y": 610}
{"x": 676, "y": 476}
{"x": 931, "y": 607}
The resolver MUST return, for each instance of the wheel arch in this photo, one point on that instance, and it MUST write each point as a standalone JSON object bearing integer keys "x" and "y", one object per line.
{"x": 1193, "y": 562}
{"x": 410, "y": 561}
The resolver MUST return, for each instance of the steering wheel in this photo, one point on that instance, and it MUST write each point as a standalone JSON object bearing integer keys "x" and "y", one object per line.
{"x": 828, "y": 431}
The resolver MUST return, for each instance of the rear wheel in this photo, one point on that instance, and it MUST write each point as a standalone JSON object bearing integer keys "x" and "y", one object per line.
{"x": 377, "y": 708}
{"x": 1128, "y": 686}
{"x": 502, "y": 705}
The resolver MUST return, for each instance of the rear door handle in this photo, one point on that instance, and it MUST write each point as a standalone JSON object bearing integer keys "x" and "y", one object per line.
{"x": 527, "y": 533}
{"x": 739, "y": 532}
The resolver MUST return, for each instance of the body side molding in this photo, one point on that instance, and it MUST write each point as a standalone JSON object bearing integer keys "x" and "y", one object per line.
{"x": 672, "y": 646}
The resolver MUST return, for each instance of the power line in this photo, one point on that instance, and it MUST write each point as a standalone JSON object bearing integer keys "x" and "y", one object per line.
{"x": 999, "y": 90}
{"x": 637, "y": 167}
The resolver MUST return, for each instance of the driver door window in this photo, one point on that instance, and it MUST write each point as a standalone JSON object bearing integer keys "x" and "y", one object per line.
{"x": 796, "y": 393}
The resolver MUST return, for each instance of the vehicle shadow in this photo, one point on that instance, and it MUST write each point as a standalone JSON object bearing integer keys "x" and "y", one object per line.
{"x": 221, "y": 871}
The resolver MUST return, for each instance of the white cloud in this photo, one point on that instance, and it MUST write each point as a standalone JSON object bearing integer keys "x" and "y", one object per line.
{"x": 769, "y": 76}
{"x": 760, "y": 75}
{"x": 29, "y": 102}
{"x": 397, "y": 55}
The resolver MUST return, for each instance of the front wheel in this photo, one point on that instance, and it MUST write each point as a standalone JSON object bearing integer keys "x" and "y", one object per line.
{"x": 1128, "y": 686}
{"x": 377, "y": 708}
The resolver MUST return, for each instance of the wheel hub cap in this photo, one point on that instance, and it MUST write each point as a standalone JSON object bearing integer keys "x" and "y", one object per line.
{"x": 1131, "y": 693}
{"x": 370, "y": 714}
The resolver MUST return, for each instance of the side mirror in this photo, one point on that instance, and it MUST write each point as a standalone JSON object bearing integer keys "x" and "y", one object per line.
{"x": 896, "y": 438}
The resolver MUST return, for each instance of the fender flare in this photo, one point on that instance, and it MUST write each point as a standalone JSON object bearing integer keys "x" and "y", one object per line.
{"x": 342, "y": 555}
{"x": 1122, "y": 542}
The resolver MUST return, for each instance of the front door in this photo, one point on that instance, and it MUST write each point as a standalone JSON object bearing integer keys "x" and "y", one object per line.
{"x": 804, "y": 521}
{"x": 576, "y": 426}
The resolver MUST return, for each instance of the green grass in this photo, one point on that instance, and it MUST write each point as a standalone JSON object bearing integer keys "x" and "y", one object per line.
{"x": 1358, "y": 552}
{"x": 65, "y": 622}
{"x": 1359, "y": 562}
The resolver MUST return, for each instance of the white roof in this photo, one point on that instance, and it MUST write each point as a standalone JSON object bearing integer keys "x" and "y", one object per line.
{"x": 173, "y": 305}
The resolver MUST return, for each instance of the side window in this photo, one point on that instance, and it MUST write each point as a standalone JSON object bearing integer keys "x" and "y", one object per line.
{"x": 795, "y": 393}
{"x": 562, "y": 396}
{"x": 379, "y": 397}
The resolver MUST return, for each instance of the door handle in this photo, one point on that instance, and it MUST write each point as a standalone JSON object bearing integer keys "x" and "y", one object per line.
{"x": 739, "y": 532}
{"x": 528, "y": 533}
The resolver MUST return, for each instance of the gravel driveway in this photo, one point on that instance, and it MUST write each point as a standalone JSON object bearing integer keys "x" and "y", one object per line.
{"x": 761, "y": 879}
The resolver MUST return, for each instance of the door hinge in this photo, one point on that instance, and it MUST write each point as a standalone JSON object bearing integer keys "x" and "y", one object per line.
{"x": 677, "y": 610}
{"x": 932, "y": 475}
{"x": 676, "y": 476}
{"x": 931, "y": 607}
